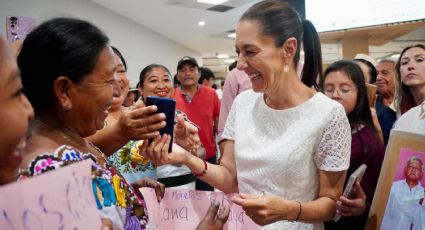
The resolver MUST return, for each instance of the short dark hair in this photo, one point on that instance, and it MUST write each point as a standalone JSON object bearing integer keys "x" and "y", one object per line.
{"x": 280, "y": 21}
{"x": 206, "y": 74}
{"x": 58, "y": 47}
{"x": 118, "y": 53}
{"x": 361, "y": 114}
{"x": 148, "y": 69}
{"x": 372, "y": 70}
{"x": 233, "y": 65}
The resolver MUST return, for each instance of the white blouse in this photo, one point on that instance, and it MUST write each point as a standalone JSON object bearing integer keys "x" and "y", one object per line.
{"x": 281, "y": 151}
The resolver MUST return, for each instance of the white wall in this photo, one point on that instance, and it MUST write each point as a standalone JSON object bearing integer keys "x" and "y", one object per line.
{"x": 139, "y": 45}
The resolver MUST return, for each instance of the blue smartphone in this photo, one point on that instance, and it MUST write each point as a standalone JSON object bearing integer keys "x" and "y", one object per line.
{"x": 168, "y": 107}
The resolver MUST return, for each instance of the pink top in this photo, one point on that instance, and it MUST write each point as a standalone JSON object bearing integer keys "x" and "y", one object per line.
{"x": 236, "y": 82}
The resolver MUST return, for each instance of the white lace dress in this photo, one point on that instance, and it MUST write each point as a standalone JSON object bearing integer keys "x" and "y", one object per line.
{"x": 281, "y": 151}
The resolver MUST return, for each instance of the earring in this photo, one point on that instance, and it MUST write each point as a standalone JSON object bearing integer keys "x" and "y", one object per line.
{"x": 67, "y": 107}
{"x": 286, "y": 68}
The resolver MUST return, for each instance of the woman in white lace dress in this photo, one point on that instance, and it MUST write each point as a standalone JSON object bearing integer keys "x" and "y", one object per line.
{"x": 285, "y": 141}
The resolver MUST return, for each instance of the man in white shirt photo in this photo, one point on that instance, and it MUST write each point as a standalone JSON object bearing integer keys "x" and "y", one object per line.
{"x": 406, "y": 199}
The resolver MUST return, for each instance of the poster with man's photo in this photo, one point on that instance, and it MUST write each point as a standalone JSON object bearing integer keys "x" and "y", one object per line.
{"x": 399, "y": 200}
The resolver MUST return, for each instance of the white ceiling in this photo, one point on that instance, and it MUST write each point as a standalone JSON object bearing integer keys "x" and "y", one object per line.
{"x": 178, "y": 20}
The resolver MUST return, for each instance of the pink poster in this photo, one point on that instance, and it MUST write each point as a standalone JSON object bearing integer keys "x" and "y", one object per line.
{"x": 18, "y": 27}
{"x": 60, "y": 199}
{"x": 184, "y": 209}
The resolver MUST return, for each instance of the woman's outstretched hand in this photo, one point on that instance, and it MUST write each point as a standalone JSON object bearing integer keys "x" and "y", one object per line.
{"x": 263, "y": 209}
{"x": 140, "y": 122}
{"x": 186, "y": 135}
{"x": 157, "y": 151}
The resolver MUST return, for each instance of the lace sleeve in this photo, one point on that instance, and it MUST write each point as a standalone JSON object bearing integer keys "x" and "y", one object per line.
{"x": 334, "y": 149}
{"x": 229, "y": 128}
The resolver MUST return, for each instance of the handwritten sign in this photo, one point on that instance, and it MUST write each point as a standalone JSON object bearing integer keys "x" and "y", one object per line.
{"x": 60, "y": 199}
{"x": 184, "y": 209}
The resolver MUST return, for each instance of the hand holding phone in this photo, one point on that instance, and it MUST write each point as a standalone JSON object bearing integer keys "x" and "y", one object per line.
{"x": 168, "y": 107}
{"x": 349, "y": 188}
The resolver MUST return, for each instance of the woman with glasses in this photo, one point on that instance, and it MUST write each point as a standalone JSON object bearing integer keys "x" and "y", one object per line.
{"x": 344, "y": 82}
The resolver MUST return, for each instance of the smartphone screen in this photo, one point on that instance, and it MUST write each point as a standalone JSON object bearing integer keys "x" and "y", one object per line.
{"x": 168, "y": 107}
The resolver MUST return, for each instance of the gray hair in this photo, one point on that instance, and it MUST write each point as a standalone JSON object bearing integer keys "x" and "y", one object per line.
{"x": 408, "y": 162}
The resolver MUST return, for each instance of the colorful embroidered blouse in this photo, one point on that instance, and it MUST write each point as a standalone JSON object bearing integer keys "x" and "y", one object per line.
{"x": 114, "y": 197}
{"x": 131, "y": 164}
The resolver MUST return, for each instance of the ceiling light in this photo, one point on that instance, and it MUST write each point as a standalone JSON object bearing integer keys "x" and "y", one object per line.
{"x": 232, "y": 35}
{"x": 229, "y": 60}
{"x": 213, "y": 2}
{"x": 395, "y": 56}
{"x": 201, "y": 23}
{"x": 222, "y": 56}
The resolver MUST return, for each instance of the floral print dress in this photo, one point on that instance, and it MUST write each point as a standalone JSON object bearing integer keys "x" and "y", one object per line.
{"x": 131, "y": 164}
{"x": 115, "y": 198}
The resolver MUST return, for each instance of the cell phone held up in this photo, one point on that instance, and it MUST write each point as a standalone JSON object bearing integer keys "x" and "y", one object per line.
{"x": 168, "y": 107}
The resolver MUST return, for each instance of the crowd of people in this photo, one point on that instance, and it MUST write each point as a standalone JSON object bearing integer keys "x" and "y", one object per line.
{"x": 287, "y": 132}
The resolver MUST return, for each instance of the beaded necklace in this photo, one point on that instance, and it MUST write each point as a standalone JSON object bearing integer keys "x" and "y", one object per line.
{"x": 76, "y": 141}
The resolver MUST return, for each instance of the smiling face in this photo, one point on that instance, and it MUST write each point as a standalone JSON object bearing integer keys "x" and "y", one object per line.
{"x": 341, "y": 88}
{"x": 188, "y": 75}
{"x": 15, "y": 113}
{"x": 412, "y": 67}
{"x": 385, "y": 81}
{"x": 258, "y": 56}
{"x": 157, "y": 82}
{"x": 123, "y": 83}
{"x": 92, "y": 97}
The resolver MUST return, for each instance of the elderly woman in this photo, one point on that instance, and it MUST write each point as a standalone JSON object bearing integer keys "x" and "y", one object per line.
{"x": 285, "y": 141}
{"x": 126, "y": 158}
{"x": 68, "y": 72}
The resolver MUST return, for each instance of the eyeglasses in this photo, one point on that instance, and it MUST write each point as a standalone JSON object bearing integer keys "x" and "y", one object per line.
{"x": 341, "y": 92}
{"x": 414, "y": 168}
